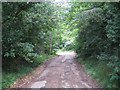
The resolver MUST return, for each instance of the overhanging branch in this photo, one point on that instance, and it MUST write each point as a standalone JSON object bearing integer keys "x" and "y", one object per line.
{"x": 92, "y": 7}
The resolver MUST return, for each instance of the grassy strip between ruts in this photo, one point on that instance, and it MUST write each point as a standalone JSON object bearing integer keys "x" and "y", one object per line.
{"x": 23, "y": 69}
{"x": 100, "y": 71}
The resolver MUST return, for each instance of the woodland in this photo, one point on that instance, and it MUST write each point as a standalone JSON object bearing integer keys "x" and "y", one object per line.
{"x": 35, "y": 31}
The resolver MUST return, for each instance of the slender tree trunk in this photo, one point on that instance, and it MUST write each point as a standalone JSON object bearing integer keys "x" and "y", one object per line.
{"x": 51, "y": 45}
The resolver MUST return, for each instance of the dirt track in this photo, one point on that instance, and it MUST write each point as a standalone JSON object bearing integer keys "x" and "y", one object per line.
{"x": 59, "y": 72}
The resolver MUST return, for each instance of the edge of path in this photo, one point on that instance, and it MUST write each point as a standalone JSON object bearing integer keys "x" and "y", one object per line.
{"x": 89, "y": 79}
{"x": 19, "y": 83}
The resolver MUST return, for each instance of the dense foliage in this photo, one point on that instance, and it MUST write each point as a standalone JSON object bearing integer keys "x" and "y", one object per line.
{"x": 29, "y": 30}
{"x": 29, "y": 36}
{"x": 99, "y": 34}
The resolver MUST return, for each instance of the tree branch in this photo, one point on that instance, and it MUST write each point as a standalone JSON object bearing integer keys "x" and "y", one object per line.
{"x": 93, "y": 7}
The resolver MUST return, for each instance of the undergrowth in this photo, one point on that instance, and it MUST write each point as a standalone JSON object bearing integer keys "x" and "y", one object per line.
{"x": 9, "y": 76}
{"x": 100, "y": 71}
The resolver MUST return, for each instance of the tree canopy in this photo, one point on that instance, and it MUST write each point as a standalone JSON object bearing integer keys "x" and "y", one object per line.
{"x": 91, "y": 29}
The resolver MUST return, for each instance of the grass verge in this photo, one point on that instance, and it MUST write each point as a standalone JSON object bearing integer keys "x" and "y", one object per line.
{"x": 22, "y": 69}
{"x": 100, "y": 71}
